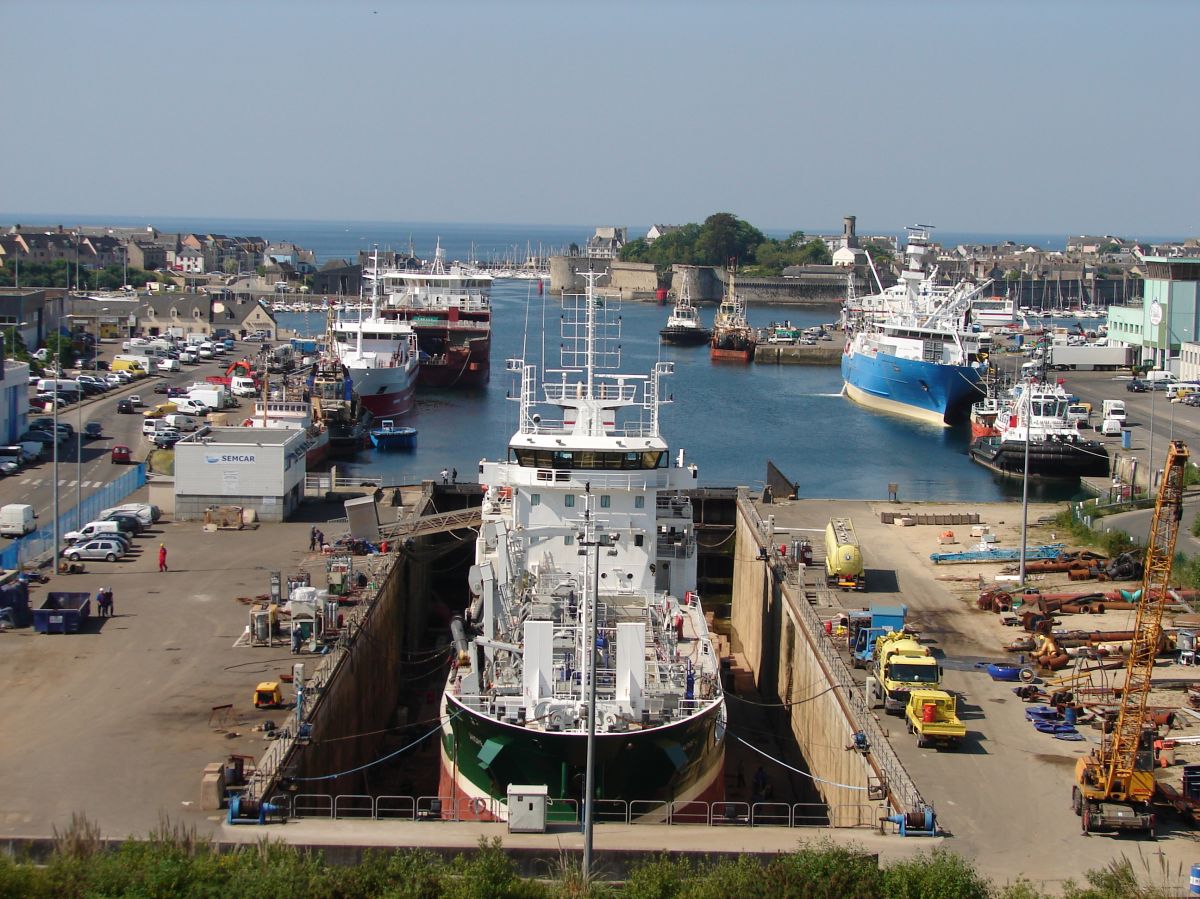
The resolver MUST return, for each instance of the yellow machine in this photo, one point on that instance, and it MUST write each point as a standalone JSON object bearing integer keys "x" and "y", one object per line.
{"x": 933, "y": 716}
{"x": 1115, "y": 783}
{"x": 902, "y": 664}
{"x": 843, "y": 556}
{"x": 267, "y": 695}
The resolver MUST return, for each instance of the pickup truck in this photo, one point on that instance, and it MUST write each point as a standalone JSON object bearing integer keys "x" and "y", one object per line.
{"x": 932, "y": 716}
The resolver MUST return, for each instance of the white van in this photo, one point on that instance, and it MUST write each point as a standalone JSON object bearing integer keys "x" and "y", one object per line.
{"x": 240, "y": 386}
{"x": 1159, "y": 379}
{"x": 93, "y": 529}
{"x": 169, "y": 365}
{"x": 190, "y": 407}
{"x": 181, "y": 421}
{"x": 1112, "y": 427}
{"x": 54, "y": 385}
{"x": 1113, "y": 409}
{"x": 17, "y": 520}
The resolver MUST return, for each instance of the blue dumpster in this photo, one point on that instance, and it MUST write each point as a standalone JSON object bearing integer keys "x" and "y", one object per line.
{"x": 62, "y": 613}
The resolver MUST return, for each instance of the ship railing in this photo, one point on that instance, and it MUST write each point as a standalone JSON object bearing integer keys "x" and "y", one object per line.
{"x": 677, "y": 549}
{"x": 617, "y": 393}
{"x": 718, "y": 813}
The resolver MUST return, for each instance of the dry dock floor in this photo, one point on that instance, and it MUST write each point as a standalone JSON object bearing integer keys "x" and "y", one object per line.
{"x": 117, "y": 722}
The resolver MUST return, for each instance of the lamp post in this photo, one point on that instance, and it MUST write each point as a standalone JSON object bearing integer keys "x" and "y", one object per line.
{"x": 57, "y": 357}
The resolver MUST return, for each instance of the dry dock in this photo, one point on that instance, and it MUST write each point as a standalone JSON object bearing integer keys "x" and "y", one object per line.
{"x": 119, "y": 722}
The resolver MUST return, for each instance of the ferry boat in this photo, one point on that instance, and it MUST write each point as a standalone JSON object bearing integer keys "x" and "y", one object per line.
{"x": 380, "y": 356}
{"x": 450, "y": 310}
{"x": 291, "y": 413}
{"x": 915, "y": 353}
{"x": 732, "y": 337}
{"x": 584, "y": 588}
{"x": 1036, "y": 425}
{"x": 684, "y": 327}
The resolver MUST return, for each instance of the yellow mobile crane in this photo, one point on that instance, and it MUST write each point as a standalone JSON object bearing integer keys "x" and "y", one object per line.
{"x": 1115, "y": 783}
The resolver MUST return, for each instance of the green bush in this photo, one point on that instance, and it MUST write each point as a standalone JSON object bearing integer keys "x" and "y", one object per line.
{"x": 939, "y": 875}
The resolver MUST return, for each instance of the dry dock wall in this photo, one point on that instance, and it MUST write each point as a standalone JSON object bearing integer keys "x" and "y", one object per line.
{"x": 363, "y": 690}
{"x": 781, "y": 639}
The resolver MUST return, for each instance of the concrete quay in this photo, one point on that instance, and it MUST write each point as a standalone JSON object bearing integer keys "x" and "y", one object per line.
{"x": 1004, "y": 797}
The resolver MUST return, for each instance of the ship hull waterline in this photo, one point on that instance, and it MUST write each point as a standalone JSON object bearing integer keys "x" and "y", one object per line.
{"x": 481, "y": 757}
{"x": 938, "y": 394}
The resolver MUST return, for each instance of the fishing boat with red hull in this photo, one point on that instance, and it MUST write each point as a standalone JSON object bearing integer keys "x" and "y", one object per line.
{"x": 449, "y": 308}
{"x": 733, "y": 339}
{"x": 584, "y": 609}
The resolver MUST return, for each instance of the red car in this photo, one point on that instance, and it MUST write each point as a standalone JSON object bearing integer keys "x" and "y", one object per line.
{"x": 122, "y": 455}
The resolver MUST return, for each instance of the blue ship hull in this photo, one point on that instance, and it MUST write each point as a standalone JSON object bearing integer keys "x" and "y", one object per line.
{"x": 940, "y": 394}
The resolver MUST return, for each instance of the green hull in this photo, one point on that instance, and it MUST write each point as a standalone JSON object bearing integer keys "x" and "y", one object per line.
{"x": 680, "y": 760}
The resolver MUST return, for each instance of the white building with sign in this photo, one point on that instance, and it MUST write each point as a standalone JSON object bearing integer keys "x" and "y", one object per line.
{"x": 256, "y": 468}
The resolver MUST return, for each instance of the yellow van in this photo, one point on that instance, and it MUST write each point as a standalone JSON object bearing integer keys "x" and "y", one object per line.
{"x": 161, "y": 410}
{"x": 134, "y": 368}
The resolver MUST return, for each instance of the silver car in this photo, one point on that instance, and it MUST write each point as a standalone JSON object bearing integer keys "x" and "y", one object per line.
{"x": 100, "y": 548}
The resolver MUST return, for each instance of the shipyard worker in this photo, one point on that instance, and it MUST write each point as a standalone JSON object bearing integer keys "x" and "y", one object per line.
{"x": 454, "y": 475}
{"x": 108, "y": 601}
{"x": 445, "y": 475}
{"x": 312, "y": 539}
{"x": 162, "y": 557}
{"x": 100, "y": 602}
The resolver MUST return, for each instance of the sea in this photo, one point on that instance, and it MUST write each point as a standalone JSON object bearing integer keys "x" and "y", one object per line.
{"x": 730, "y": 420}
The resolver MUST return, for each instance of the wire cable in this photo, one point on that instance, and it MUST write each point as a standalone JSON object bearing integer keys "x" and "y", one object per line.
{"x": 813, "y": 777}
{"x": 378, "y": 761}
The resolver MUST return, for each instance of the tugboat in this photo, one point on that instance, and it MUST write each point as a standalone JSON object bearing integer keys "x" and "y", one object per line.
{"x": 1035, "y": 425}
{"x": 584, "y": 610}
{"x": 732, "y": 337}
{"x": 683, "y": 326}
{"x": 387, "y": 436}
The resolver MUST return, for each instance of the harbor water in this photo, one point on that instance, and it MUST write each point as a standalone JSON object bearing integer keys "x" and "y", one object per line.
{"x": 731, "y": 419}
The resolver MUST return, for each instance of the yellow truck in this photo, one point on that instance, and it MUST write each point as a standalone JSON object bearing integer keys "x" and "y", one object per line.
{"x": 932, "y": 716}
{"x": 901, "y": 665}
{"x": 843, "y": 556}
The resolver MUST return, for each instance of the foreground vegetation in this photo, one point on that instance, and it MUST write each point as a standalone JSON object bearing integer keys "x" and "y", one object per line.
{"x": 174, "y": 862}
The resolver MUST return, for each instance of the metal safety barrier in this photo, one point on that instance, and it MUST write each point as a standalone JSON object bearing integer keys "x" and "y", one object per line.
{"x": 682, "y": 812}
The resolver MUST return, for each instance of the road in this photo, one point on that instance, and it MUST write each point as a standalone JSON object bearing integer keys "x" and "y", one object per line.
{"x": 81, "y": 474}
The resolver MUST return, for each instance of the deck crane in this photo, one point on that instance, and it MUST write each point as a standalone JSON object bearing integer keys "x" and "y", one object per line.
{"x": 1114, "y": 783}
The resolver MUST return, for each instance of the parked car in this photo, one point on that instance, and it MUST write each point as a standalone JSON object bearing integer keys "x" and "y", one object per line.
{"x": 124, "y": 407}
{"x": 167, "y": 439}
{"x": 1136, "y": 386}
{"x": 101, "y": 365}
{"x": 93, "y": 430}
{"x": 43, "y": 437}
{"x": 101, "y": 548}
{"x": 161, "y": 388}
{"x": 121, "y": 455}
{"x": 176, "y": 391}
{"x": 7, "y": 467}
{"x": 147, "y": 513}
{"x": 127, "y": 522}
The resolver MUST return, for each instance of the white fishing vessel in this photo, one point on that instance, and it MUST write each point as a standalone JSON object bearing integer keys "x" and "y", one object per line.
{"x": 584, "y": 580}
{"x": 380, "y": 356}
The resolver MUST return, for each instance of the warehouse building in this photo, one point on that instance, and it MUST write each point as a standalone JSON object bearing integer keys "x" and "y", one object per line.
{"x": 259, "y": 469}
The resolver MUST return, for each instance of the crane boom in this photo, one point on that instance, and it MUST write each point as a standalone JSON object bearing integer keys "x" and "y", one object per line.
{"x": 1156, "y": 581}
{"x": 1111, "y": 788}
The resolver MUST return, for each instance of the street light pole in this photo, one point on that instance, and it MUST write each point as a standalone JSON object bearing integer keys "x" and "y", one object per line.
{"x": 54, "y": 477}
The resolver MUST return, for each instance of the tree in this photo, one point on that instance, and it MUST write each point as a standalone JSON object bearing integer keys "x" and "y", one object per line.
{"x": 59, "y": 346}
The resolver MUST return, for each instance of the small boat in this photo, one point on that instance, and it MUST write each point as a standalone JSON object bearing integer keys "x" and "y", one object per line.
{"x": 683, "y": 326}
{"x": 388, "y": 436}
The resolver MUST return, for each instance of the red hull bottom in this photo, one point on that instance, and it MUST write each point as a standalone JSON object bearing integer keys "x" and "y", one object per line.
{"x": 731, "y": 355}
{"x": 388, "y": 405}
{"x": 464, "y": 366}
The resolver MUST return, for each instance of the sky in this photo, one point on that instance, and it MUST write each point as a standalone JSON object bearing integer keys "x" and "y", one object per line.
{"x": 1021, "y": 116}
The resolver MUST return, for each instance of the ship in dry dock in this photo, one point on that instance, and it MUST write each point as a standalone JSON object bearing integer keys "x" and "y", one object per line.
{"x": 585, "y": 578}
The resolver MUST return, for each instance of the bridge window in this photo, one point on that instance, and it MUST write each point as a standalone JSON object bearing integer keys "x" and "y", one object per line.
{"x": 570, "y": 500}
{"x": 639, "y": 502}
{"x": 535, "y": 499}
{"x": 605, "y": 501}
{"x": 589, "y": 460}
